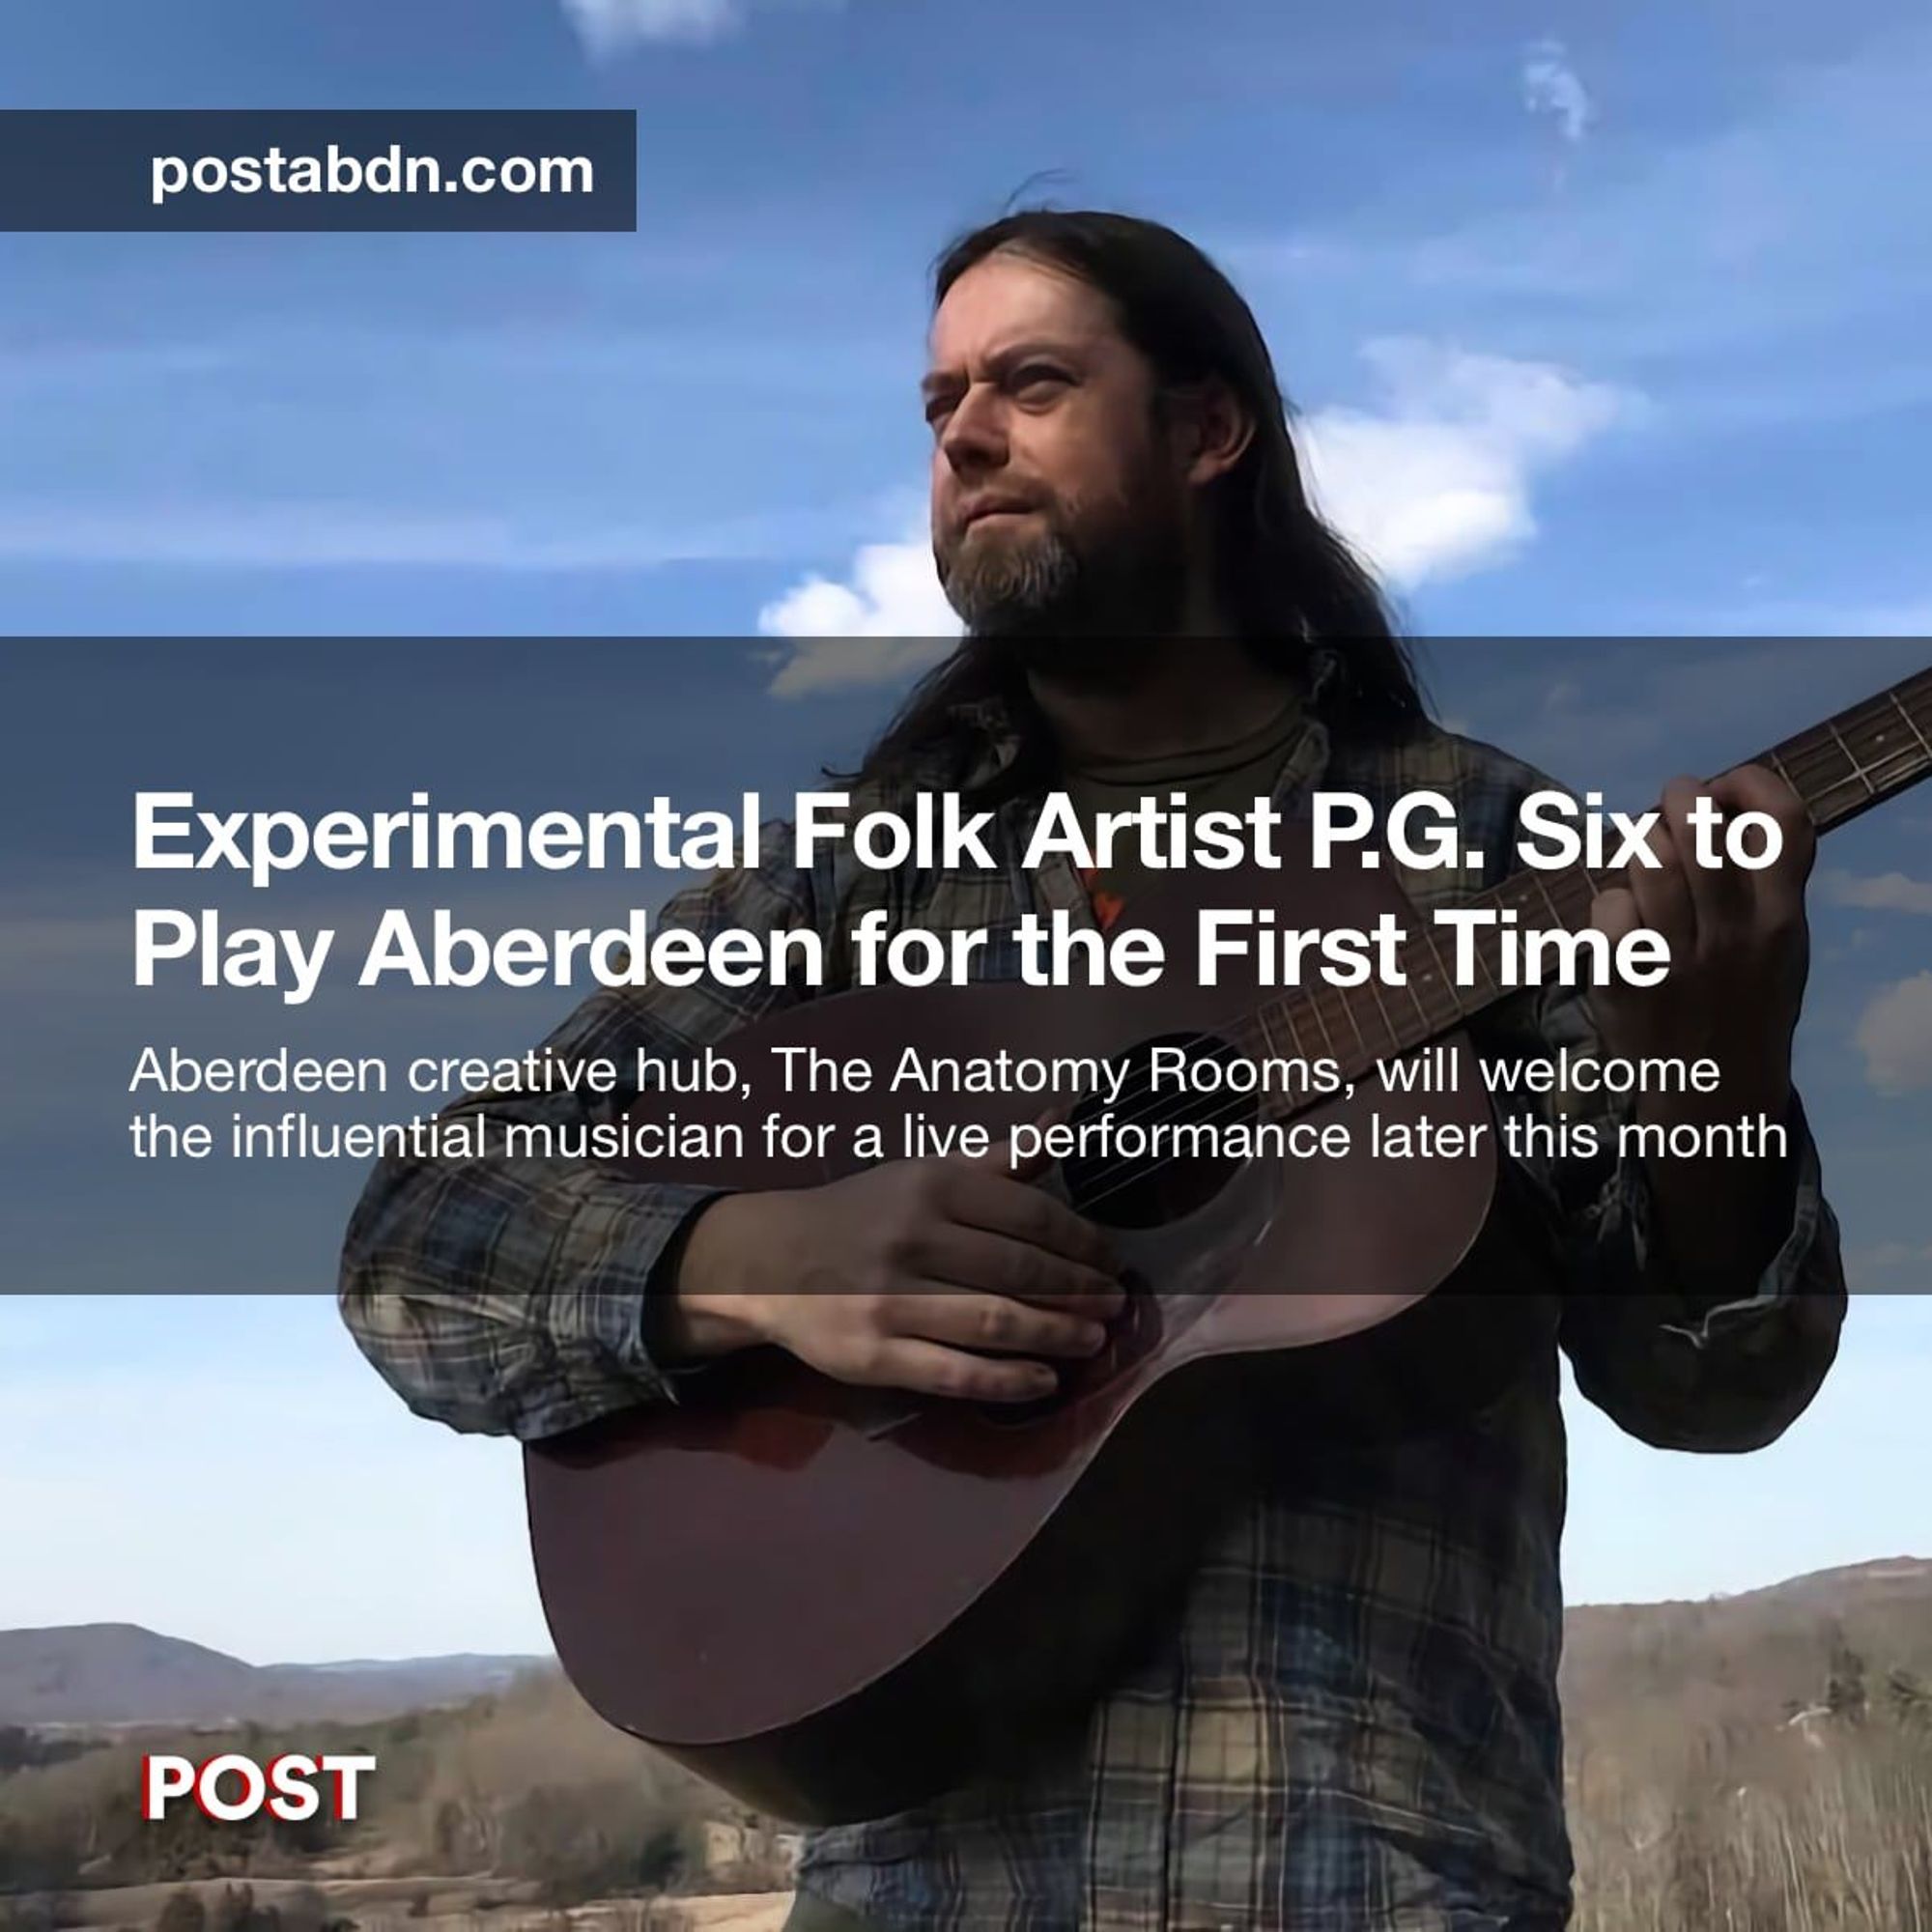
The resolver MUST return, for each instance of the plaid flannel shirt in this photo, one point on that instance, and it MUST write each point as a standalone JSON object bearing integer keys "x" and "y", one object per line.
{"x": 1353, "y": 1726}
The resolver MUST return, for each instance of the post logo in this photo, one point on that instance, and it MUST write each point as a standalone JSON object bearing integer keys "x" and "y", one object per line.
{"x": 231, "y": 1788}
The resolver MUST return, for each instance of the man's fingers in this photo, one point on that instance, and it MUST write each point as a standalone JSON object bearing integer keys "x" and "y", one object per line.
{"x": 1759, "y": 789}
{"x": 1720, "y": 895}
{"x": 1777, "y": 889}
{"x": 999, "y": 1265}
{"x": 1002, "y": 1205}
{"x": 1031, "y": 1165}
{"x": 928, "y": 1368}
{"x": 1613, "y": 913}
{"x": 998, "y": 1157}
{"x": 994, "y": 1192}
{"x": 933, "y": 1311}
{"x": 1662, "y": 891}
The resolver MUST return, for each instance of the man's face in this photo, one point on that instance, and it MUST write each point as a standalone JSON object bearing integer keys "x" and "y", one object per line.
{"x": 1056, "y": 507}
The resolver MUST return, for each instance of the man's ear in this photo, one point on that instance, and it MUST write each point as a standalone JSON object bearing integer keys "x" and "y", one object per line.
{"x": 1212, "y": 431}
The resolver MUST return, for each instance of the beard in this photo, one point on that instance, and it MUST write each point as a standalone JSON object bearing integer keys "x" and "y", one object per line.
{"x": 1071, "y": 597}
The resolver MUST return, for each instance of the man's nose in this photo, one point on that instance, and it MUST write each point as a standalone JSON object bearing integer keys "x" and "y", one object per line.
{"x": 975, "y": 436}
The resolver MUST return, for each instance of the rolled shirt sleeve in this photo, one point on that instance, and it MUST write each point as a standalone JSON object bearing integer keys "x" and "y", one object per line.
{"x": 1670, "y": 1361}
{"x": 1681, "y": 1368}
{"x": 513, "y": 1297}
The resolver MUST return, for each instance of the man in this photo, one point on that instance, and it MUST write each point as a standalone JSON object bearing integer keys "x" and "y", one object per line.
{"x": 1353, "y": 1723}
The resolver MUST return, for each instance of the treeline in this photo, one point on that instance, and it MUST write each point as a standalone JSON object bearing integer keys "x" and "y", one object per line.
{"x": 233, "y": 1908}
{"x": 21, "y": 1747}
{"x": 78, "y": 1820}
{"x": 524, "y": 1784}
{"x": 1817, "y": 1815}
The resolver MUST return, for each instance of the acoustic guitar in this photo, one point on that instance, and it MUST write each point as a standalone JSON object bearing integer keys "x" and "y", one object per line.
{"x": 835, "y": 1602}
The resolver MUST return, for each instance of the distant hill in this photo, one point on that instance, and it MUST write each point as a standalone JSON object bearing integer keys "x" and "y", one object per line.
{"x": 1770, "y": 1751}
{"x": 122, "y": 1674}
{"x": 1750, "y": 1653}
{"x": 1771, "y": 1644}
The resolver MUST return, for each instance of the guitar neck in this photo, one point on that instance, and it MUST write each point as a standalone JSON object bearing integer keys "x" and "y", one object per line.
{"x": 1840, "y": 769}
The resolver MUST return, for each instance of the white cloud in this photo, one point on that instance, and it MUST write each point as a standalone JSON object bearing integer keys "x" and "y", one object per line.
{"x": 1433, "y": 484}
{"x": 891, "y": 618}
{"x": 894, "y": 593}
{"x": 1888, "y": 891}
{"x": 1436, "y": 483}
{"x": 607, "y": 27}
{"x": 844, "y": 663}
{"x": 1550, "y": 86}
{"x": 1895, "y": 1034}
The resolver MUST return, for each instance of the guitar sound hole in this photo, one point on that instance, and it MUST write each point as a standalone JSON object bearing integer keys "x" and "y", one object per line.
{"x": 1172, "y": 1080}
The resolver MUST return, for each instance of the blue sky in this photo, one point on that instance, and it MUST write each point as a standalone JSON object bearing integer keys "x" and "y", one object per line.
{"x": 1599, "y": 320}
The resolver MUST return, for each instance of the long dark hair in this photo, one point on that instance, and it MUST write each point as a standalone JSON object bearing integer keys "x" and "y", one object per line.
{"x": 1291, "y": 583}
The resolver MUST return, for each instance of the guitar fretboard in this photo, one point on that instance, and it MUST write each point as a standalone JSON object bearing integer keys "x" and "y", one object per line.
{"x": 1840, "y": 769}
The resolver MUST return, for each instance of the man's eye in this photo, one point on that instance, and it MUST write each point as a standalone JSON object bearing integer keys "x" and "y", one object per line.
{"x": 1037, "y": 379}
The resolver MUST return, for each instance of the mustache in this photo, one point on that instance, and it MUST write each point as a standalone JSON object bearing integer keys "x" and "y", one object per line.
{"x": 990, "y": 500}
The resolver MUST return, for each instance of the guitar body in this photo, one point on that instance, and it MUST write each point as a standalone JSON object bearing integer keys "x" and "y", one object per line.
{"x": 835, "y": 1602}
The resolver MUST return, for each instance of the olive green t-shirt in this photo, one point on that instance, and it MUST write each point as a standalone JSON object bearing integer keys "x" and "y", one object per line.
{"x": 1217, "y": 777}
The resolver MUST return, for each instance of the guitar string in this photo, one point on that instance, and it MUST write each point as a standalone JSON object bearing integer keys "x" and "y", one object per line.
{"x": 1136, "y": 1171}
{"x": 1797, "y": 754}
{"x": 1237, "y": 1104}
{"x": 1791, "y": 756}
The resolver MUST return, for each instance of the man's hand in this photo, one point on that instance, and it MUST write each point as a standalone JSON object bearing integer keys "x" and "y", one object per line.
{"x": 937, "y": 1276}
{"x": 1740, "y": 951}
{"x": 1738, "y": 946}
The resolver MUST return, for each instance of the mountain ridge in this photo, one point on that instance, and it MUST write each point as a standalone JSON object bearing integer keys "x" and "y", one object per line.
{"x": 125, "y": 1674}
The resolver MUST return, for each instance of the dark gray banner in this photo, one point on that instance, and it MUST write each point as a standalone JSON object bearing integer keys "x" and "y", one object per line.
{"x": 420, "y": 170}
{"x": 270, "y": 907}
